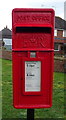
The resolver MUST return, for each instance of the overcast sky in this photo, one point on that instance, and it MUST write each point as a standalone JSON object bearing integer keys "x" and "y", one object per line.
{"x": 6, "y": 7}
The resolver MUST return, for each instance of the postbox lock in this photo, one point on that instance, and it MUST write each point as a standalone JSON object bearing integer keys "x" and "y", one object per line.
{"x": 32, "y": 54}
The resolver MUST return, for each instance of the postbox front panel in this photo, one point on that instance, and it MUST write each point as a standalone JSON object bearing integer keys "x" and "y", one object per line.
{"x": 32, "y": 57}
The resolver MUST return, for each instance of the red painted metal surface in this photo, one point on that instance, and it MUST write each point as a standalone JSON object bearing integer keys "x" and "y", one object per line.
{"x": 32, "y": 31}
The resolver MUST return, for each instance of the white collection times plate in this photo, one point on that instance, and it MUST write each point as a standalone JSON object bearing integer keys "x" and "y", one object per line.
{"x": 32, "y": 76}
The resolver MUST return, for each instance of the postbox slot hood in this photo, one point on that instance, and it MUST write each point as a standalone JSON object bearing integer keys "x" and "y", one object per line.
{"x": 33, "y": 25}
{"x": 32, "y": 28}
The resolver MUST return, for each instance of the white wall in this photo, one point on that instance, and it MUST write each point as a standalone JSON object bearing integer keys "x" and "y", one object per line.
{"x": 55, "y": 32}
{"x": 7, "y": 41}
{"x": 64, "y": 33}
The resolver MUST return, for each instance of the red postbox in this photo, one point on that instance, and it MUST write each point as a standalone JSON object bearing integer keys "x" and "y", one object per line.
{"x": 32, "y": 55}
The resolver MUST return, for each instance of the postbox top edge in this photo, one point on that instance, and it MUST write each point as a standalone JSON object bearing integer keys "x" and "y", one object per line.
{"x": 33, "y": 10}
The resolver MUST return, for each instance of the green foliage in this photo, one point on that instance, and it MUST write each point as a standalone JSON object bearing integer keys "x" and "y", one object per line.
{"x": 0, "y": 88}
{"x": 8, "y": 111}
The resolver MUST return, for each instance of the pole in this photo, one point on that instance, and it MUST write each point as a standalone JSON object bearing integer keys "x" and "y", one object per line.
{"x": 30, "y": 114}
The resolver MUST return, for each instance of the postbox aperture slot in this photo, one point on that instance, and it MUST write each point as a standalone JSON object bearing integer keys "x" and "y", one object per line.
{"x": 33, "y": 29}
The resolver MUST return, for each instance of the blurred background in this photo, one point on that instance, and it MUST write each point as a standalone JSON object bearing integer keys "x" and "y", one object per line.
{"x": 57, "y": 110}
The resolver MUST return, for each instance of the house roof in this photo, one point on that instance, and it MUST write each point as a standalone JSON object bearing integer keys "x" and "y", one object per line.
{"x": 6, "y": 33}
{"x": 60, "y": 23}
{"x": 0, "y": 35}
